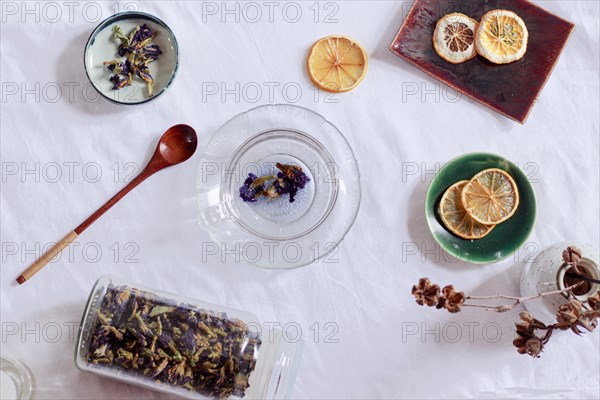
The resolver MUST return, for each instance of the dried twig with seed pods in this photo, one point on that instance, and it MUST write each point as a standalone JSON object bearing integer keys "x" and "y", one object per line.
{"x": 570, "y": 316}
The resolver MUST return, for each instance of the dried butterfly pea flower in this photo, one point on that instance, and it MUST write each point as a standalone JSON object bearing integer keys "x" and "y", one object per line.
{"x": 141, "y": 34}
{"x": 117, "y": 66}
{"x": 144, "y": 73}
{"x": 289, "y": 180}
{"x": 150, "y": 53}
{"x": 293, "y": 173}
{"x": 139, "y": 51}
{"x": 118, "y": 34}
{"x": 119, "y": 82}
{"x": 252, "y": 188}
{"x": 145, "y": 335}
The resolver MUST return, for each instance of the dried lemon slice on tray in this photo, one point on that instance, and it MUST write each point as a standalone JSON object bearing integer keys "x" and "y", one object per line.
{"x": 455, "y": 217}
{"x": 454, "y": 38}
{"x": 501, "y": 37}
{"x": 336, "y": 63}
{"x": 491, "y": 196}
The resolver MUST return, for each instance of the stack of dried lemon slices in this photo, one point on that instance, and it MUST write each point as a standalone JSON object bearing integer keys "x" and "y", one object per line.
{"x": 470, "y": 209}
{"x": 500, "y": 37}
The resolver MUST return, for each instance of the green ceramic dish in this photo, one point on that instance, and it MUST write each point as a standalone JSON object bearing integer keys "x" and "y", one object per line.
{"x": 505, "y": 238}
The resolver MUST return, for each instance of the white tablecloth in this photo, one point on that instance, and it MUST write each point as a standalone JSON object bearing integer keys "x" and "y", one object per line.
{"x": 63, "y": 155}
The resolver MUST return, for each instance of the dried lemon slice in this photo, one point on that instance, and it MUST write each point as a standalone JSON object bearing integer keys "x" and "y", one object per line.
{"x": 337, "y": 64}
{"x": 454, "y": 38}
{"x": 491, "y": 196}
{"x": 455, "y": 217}
{"x": 501, "y": 37}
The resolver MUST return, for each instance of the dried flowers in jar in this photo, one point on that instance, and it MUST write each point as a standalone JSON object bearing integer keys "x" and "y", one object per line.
{"x": 166, "y": 343}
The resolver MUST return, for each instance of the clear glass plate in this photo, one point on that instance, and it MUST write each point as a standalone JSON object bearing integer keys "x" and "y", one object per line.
{"x": 277, "y": 233}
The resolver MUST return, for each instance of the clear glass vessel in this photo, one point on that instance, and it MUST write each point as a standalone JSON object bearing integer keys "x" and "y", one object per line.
{"x": 546, "y": 273}
{"x": 16, "y": 380}
{"x": 277, "y": 233}
{"x": 180, "y": 346}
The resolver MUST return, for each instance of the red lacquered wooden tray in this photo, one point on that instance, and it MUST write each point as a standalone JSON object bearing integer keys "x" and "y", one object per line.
{"x": 509, "y": 89}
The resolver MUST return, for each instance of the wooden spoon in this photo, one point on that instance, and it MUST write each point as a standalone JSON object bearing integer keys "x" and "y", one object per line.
{"x": 176, "y": 145}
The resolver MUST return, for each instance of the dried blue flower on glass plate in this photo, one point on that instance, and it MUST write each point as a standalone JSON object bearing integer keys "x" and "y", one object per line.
{"x": 289, "y": 180}
{"x": 139, "y": 51}
{"x": 146, "y": 335}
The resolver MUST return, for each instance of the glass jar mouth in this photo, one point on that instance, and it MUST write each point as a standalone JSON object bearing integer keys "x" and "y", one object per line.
{"x": 590, "y": 268}
{"x": 330, "y": 187}
{"x": 20, "y": 376}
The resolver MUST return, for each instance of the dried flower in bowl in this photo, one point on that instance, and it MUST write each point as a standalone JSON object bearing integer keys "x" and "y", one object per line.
{"x": 289, "y": 180}
{"x": 139, "y": 51}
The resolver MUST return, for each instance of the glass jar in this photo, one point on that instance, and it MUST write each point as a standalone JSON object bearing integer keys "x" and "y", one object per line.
{"x": 193, "y": 349}
{"x": 546, "y": 273}
{"x": 16, "y": 380}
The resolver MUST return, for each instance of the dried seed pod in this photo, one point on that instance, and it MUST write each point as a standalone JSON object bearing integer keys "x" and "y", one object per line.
{"x": 572, "y": 255}
{"x": 454, "y": 299}
{"x": 426, "y": 293}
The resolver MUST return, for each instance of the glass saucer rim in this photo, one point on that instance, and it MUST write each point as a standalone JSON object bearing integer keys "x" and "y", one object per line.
{"x": 203, "y": 202}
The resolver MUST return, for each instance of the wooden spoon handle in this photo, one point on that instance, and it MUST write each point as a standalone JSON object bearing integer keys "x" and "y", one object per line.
{"x": 113, "y": 200}
{"x": 60, "y": 246}
{"x": 47, "y": 257}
